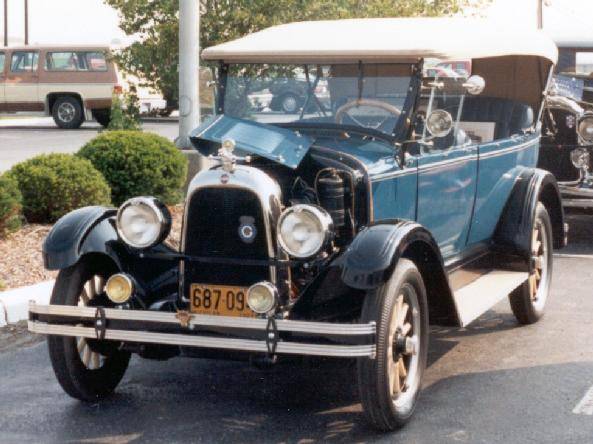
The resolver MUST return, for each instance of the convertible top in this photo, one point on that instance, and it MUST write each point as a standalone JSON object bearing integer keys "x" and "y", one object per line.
{"x": 384, "y": 40}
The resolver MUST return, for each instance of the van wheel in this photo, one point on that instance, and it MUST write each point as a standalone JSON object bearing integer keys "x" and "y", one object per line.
{"x": 67, "y": 112}
{"x": 87, "y": 369}
{"x": 389, "y": 385}
{"x": 102, "y": 116}
{"x": 529, "y": 300}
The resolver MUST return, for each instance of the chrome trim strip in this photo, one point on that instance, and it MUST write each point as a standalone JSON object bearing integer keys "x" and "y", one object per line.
{"x": 293, "y": 348}
{"x": 525, "y": 145}
{"x": 206, "y": 320}
{"x": 448, "y": 162}
{"x": 392, "y": 174}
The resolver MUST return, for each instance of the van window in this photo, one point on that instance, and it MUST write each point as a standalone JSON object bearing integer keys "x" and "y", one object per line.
{"x": 24, "y": 61}
{"x": 61, "y": 61}
{"x": 2, "y": 57}
{"x": 96, "y": 61}
{"x": 75, "y": 61}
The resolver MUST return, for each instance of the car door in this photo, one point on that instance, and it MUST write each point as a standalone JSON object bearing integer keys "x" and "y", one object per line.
{"x": 22, "y": 78}
{"x": 446, "y": 193}
{"x": 2, "y": 80}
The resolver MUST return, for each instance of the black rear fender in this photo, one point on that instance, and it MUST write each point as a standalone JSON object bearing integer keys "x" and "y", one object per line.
{"x": 513, "y": 233}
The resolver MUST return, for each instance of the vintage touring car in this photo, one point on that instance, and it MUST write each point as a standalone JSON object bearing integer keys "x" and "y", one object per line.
{"x": 566, "y": 146}
{"x": 337, "y": 232}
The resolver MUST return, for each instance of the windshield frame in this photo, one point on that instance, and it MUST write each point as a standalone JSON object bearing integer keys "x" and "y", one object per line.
{"x": 398, "y": 133}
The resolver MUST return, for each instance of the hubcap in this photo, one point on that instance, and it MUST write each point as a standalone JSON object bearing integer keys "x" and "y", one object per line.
{"x": 91, "y": 360}
{"x": 538, "y": 277}
{"x": 403, "y": 346}
{"x": 290, "y": 104}
{"x": 66, "y": 112}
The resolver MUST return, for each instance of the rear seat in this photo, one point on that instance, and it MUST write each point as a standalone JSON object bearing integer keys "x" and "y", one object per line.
{"x": 509, "y": 116}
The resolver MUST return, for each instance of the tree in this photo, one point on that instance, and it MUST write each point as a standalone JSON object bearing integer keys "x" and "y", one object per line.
{"x": 154, "y": 58}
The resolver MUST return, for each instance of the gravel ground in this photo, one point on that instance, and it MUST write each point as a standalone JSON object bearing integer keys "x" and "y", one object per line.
{"x": 22, "y": 263}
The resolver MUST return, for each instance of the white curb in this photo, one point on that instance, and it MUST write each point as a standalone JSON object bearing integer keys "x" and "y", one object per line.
{"x": 14, "y": 304}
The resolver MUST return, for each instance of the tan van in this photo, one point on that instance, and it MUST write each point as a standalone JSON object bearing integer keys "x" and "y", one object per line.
{"x": 72, "y": 84}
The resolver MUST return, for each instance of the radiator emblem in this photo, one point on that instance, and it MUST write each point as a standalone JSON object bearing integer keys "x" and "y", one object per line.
{"x": 247, "y": 230}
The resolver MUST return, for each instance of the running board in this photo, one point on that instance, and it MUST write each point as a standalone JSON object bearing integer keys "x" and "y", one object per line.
{"x": 479, "y": 296}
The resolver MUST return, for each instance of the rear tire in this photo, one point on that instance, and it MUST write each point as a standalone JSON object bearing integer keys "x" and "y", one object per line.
{"x": 82, "y": 371}
{"x": 67, "y": 112}
{"x": 102, "y": 116}
{"x": 529, "y": 300}
{"x": 389, "y": 385}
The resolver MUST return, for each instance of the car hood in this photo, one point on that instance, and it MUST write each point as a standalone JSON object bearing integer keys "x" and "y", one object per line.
{"x": 278, "y": 144}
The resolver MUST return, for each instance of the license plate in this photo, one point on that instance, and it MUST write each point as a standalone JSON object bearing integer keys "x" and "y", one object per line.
{"x": 221, "y": 300}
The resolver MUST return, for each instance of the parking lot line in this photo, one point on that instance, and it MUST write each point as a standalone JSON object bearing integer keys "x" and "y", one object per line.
{"x": 574, "y": 256}
{"x": 585, "y": 406}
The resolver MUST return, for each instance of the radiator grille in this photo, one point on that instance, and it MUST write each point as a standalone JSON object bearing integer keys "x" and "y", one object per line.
{"x": 214, "y": 216}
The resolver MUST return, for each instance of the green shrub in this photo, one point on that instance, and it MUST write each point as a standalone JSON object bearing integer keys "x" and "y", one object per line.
{"x": 55, "y": 184}
{"x": 138, "y": 164}
{"x": 10, "y": 205}
{"x": 125, "y": 112}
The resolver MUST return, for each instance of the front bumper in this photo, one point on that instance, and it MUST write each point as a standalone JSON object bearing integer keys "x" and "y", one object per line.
{"x": 576, "y": 196}
{"x": 272, "y": 336}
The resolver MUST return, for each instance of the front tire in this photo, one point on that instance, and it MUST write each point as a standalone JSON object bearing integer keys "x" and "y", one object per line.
{"x": 389, "y": 385}
{"x": 87, "y": 370}
{"x": 529, "y": 300}
{"x": 67, "y": 112}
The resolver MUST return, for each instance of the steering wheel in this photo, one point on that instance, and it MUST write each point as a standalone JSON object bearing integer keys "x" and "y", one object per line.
{"x": 343, "y": 110}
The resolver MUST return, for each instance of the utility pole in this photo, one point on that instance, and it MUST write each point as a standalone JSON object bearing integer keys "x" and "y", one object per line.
{"x": 189, "y": 107}
{"x": 5, "y": 22}
{"x": 26, "y": 22}
{"x": 540, "y": 14}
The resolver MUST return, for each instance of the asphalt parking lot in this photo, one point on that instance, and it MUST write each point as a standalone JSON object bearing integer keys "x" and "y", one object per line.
{"x": 491, "y": 382}
{"x": 19, "y": 140}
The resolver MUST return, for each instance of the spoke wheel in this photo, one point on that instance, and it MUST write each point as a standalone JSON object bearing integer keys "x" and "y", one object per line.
{"x": 90, "y": 290}
{"x": 539, "y": 265}
{"x": 529, "y": 300}
{"x": 389, "y": 385}
{"x": 403, "y": 352}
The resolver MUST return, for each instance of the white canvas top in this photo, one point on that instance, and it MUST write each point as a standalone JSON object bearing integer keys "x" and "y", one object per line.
{"x": 387, "y": 40}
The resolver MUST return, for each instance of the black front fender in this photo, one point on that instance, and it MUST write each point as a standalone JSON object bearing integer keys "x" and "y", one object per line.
{"x": 82, "y": 231}
{"x": 367, "y": 262}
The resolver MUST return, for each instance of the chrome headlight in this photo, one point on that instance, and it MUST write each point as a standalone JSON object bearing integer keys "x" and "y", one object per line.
{"x": 585, "y": 127}
{"x": 143, "y": 222}
{"x": 303, "y": 230}
{"x": 580, "y": 158}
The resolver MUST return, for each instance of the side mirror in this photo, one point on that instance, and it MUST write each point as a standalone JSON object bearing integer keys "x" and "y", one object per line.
{"x": 475, "y": 85}
{"x": 439, "y": 123}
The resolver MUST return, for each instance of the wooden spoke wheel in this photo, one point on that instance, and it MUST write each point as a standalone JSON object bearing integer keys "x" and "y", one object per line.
{"x": 529, "y": 300}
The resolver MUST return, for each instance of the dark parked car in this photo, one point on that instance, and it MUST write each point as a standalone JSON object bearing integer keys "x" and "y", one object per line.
{"x": 566, "y": 148}
{"x": 289, "y": 94}
{"x": 340, "y": 233}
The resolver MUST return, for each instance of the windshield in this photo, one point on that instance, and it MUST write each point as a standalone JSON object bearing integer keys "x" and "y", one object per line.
{"x": 369, "y": 96}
